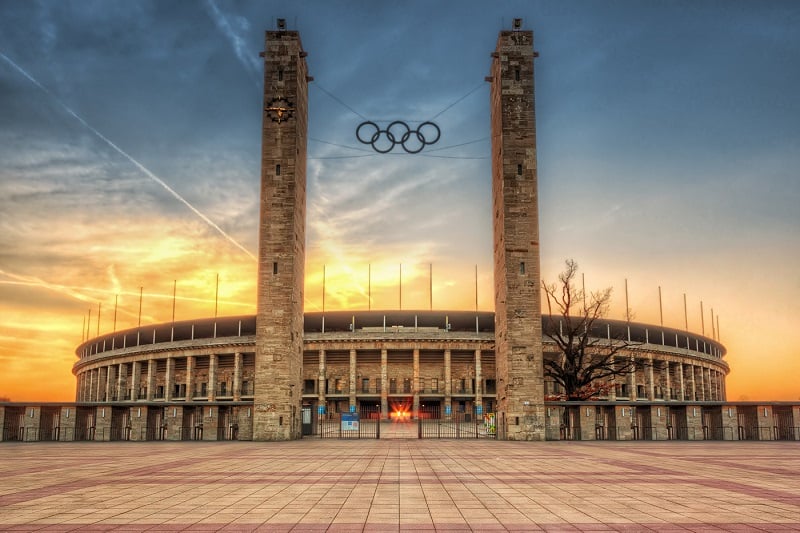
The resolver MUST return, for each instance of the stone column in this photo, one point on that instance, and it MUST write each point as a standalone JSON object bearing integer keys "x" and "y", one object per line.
{"x": 151, "y": 379}
{"x": 237, "y": 377}
{"x": 384, "y": 384}
{"x": 415, "y": 386}
{"x": 190, "y": 378}
{"x": 632, "y": 383}
{"x": 101, "y": 384}
{"x": 169, "y": 379}
{"x": 724, "y": 388}
{"x": 651, "y": 393}
{"x": 612, "y": 393}
{"x": 702, "y": 383}
{"x": 478, "y": 379}
{"x": 122, "y": 381}
{"x": 110, "y": 383}
{"x": 682, "y": 384}
{"x": 667, "y": 382}
{"x": 212, "y": 377}
{"x": 352, "y": 395}
{"x": 448, "y": 385}
{"x": 322, "y": 379}
{"x": 136, "y": 378}
{"x": 693, "y": 383}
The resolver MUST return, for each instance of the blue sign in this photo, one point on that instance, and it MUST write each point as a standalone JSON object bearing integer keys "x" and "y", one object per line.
{"x": 349, "y": 422}
{"x": 321, "y": 409}
{"x": 352, "y": 408}
{"x": 447, "y": 409}
{"x": 479, "y": 409}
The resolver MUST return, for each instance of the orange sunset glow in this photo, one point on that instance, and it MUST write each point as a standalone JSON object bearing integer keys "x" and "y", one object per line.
{"x": 130, "y": 164}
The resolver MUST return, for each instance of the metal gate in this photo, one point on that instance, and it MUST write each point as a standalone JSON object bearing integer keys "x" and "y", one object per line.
{"x": 348, "y": 426}
{"x": 476, "y": 425}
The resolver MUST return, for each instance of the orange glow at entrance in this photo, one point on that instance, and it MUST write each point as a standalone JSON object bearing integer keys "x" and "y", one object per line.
{"x": 400, "y": 411}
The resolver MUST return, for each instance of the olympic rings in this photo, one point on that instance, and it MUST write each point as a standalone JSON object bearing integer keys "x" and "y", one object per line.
{"x": 398, "y": 132}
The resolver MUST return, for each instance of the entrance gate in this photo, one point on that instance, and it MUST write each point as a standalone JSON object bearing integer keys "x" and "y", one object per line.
{"x": 459, "y": 426}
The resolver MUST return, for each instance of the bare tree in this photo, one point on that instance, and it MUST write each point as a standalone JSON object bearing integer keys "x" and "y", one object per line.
{"x": 584, "y": 360}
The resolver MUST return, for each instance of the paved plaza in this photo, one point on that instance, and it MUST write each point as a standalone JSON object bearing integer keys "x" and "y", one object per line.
{"x": 400, "y": 485}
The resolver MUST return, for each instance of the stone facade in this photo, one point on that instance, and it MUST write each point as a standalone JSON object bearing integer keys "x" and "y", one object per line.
{"x": 518, "y": 330}
{"x": 281, "y": 254}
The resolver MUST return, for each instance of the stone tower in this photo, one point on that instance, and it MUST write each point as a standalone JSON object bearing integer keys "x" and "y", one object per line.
{"x": 281, "y": 239}
{"x": 517, "y": 296}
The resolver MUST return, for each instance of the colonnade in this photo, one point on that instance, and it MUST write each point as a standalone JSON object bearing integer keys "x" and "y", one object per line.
{"x": 667, "y": 379}
{"x": 369, "y": 376}
{"x": 175, "y": 377}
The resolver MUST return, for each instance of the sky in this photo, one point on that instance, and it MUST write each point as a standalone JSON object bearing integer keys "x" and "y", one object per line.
{"x": 668, "y": 154}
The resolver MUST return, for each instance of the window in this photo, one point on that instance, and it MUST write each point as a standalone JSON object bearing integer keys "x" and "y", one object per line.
{"x": 435, "y": 385}
{"x": 339, "y": 386}
{"x": 516, "y": 74}
{"x": 392, "y": 385}
{"x": 522, "y": 267}
{"x": 203, "y": 389}
{"x": 275, "y": 268}
{"x": 364, "y": 385}
{"x": 277, "y": 170}
{"x": 406, "y": 385}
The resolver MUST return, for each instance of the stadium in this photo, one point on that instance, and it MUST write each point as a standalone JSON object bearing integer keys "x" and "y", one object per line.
{"x": 391, "y": 365}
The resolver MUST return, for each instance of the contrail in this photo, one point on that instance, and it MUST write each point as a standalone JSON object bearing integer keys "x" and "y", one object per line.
{"x": 129, "y": 158}
{"x": 246, "y": 58}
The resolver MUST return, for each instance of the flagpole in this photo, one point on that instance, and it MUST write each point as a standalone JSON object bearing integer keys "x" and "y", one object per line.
{"x": 140, "y": 307}
{"x": 324, "y": 274}
{"x": 660, "y": 307}
{"x": 430, "y": 277}
{"x": 685, "y": 314}
{"x": 174, "y": 289}
{"x": 583, "y": 288}
{"x": 369, "y": 286}
{"x": 116, "y": 298}
{"x": 216, "y": 297}
{"x": 476, "y": 288}
{"x": 99, "y": 305}
{"x": 713, "y": 331}
{"x": 89, "y": 324}
{"x": 627, "y": 306}
{"x": 401, "y": 286}
{"x": 702, "y": 319}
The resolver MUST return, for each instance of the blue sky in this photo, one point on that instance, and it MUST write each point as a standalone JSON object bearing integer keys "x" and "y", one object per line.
{"x": 668, "y": 153}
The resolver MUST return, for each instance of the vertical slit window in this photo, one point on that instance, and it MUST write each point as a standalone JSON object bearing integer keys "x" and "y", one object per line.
{"x": 280, "y": 75}
{"x": 522, "y": 267}
{"x": 519, "y": 169}
{"x": 277, "y": 170}
{"x": 516, "y": 74}
{"x": 275, "y": 267}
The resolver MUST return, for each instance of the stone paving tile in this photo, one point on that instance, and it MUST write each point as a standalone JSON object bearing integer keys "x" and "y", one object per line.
{"x": 400, "y": 485}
